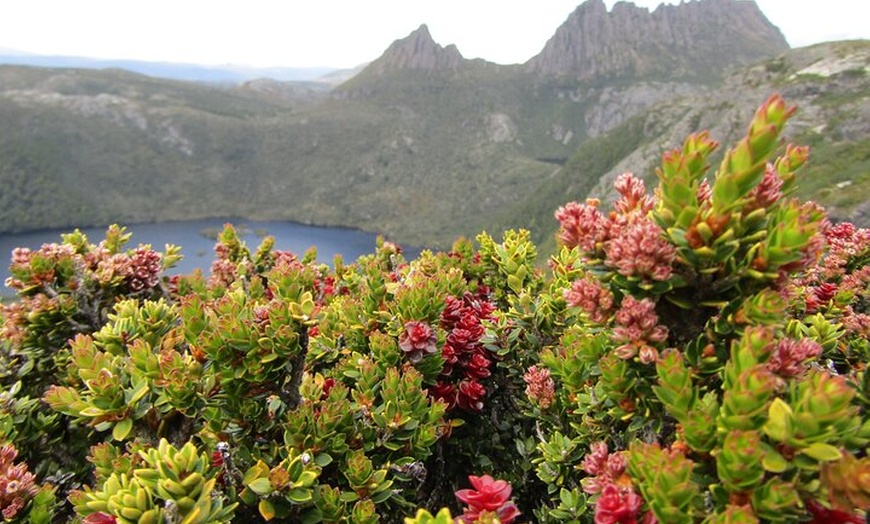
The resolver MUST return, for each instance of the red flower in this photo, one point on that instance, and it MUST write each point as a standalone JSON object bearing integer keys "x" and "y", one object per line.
{"x": 489, "y": 495}
{"x": 328, "y": 384}
{"x": 446, "y": 392}
{"x": 100, "y": 518}
{"x": 789, "y": 357}
{"x": 823, "y": 515}
{"x": 417, "y": 341}
{"x": 464, "y": 356}
{"x": 819, "y": 296}
{"x": 470, "y": 394}
{"x": 217, "y": 459}
{"x": 478, "y": 366}
{"x": 617, "y": 506}
{"x": 460, "y": 339}
{"x": 452, "y": 312}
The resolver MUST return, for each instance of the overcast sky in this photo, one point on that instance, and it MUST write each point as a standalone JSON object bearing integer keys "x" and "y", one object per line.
{"x": 339, "y": 33}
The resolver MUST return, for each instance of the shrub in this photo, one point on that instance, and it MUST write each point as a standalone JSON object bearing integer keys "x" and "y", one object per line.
{"x": 696, "y": 355}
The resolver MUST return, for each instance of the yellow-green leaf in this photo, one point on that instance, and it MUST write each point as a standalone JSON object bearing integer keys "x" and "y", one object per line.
{"x": 267, "y": 510}
{"x": 261, "y": 486}
{"x": 779, "y": 421}
{"x": 822, "y": 452}
{"x": 122, "y": 429}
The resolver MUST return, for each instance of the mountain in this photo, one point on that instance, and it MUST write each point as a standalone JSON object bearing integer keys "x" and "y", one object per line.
{"x": 418, "y": 51}
{"x": 422, "y": 145}
{"x": 692, "y": 40}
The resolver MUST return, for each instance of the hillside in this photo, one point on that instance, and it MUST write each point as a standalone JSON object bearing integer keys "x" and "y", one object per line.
{"x": 173, "y": 70}
{"x": 422, "y": 145}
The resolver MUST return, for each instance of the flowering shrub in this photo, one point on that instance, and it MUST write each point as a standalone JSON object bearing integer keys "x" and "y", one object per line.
{"x": 695, "y": 354}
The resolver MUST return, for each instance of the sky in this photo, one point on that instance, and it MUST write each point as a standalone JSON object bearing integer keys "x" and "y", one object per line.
{"x": 339, "y": 33}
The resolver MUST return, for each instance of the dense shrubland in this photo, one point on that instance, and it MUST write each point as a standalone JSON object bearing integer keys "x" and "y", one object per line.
{"x": 693, "y": 355}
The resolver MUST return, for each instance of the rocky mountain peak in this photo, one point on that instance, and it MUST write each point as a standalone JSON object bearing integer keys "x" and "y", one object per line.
{"x": 697, "y": 39}
{"x": 417, "y": 51}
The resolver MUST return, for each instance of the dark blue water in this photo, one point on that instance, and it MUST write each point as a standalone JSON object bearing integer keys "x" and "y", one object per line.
{"x": 198, "y": 250}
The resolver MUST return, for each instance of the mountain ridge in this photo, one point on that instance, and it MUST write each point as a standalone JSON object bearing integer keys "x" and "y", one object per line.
{"x": 680, "y": 41}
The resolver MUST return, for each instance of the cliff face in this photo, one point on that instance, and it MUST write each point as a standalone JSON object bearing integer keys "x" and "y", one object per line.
{"x": 417, "y": 51}
{"x": 698, "y": 39}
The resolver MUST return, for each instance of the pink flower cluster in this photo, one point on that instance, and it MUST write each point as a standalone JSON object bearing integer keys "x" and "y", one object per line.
{"x": 25, "y": 275}
{"x": 139, "y": 270}
{"x": 582, "y": 225}
{"x": 489, "y": 497}
{"x": 603, "y": 467}
{"x": 145, "y": 268}
{"x": 17, "y": 485}
{"x": 592, "y": 297}
{"x": 108, "y": 268}
{"x": 417, "y": 341}
{"x": 637, "y": 327}
{"x": 835, "y": 279}
{"x": 618, "y": 502}
{"x": 633, "y": 197}
{"x": 627, "y": 239}
{"x": 540, "y": 387}
{"x": 641, "y": 251}
{"x": 618, "y": 506}
{"x": 465, "y": 358}
{"x": 857, "y": 323}
{"x": 789, "y": 357}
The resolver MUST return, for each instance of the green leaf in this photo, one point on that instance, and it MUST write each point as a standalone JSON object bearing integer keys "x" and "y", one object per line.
{"x": 323, "y": 459}
{"x": 312, "y": 516}
{"x": 381, "y": 496}
{"x": 136, "y": 394}
{"x": 122, "y": 429}
{"x": 299, "y": 495}
{"x": 515, "y": 284}
{"x": 773, "y": 462}
{"x": 261, "y": 486}
{"x": 822, "y": 452}
{"x": 349, "y": 496}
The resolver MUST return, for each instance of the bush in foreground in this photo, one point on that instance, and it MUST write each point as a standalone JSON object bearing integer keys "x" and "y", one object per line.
{"x": 696, "y": 355}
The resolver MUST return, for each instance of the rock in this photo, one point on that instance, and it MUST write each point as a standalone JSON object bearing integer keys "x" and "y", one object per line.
{"x": 692, "y": 40}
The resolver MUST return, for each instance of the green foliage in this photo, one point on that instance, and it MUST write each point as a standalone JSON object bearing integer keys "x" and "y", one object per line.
{"x": 697, "y": 356}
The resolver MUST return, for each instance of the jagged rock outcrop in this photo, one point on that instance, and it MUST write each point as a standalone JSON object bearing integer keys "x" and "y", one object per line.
{"x": 417, "y": 51}
{"x": 697, "y": 39}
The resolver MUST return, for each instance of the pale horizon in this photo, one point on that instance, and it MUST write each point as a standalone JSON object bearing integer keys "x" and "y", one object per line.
{"x": 339, "y": 33}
